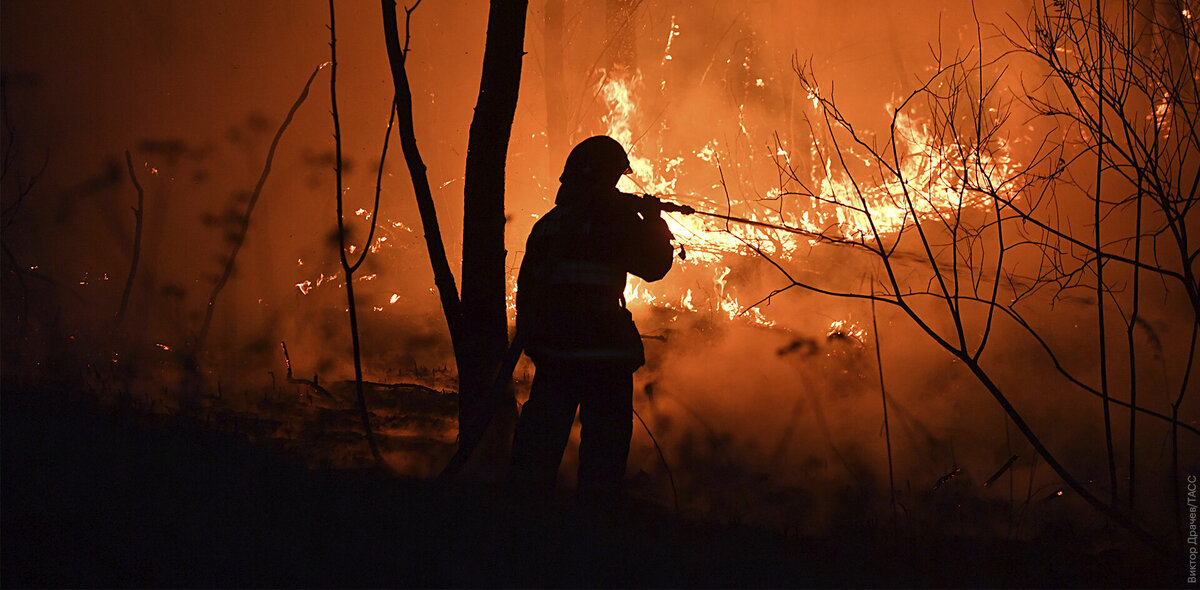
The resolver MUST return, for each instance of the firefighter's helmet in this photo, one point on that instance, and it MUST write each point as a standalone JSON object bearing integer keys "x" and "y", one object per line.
{"x": 596, "y": 159}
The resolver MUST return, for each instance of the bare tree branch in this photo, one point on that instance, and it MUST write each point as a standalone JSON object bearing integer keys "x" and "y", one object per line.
{"x": 137, "y": 239}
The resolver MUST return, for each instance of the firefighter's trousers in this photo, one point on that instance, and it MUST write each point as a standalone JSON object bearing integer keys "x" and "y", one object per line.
{"x": 604, "y": 395}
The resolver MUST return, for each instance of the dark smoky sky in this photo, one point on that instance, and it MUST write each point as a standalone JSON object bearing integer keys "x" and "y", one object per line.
{"x": 94, "y": 78}
{"x": 87, "y": 81}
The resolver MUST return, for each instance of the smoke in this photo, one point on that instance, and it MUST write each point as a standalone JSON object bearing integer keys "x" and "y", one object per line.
{"x": 772, "y": 413}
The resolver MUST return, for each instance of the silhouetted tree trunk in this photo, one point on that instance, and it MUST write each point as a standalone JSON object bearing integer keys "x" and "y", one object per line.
{"x": 478, "y": 320}
{"x": 443, "y": 277}
{"x": 483, "y": 268}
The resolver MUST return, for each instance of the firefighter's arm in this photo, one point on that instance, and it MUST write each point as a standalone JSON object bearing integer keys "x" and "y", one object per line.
{"x": 529, "y": 281}
{"x": 651, "y": 254}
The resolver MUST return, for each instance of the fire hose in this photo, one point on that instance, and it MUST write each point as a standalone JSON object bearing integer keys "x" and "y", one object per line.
{"x": 652, "y": 201}
{"x": 495, "y": 394}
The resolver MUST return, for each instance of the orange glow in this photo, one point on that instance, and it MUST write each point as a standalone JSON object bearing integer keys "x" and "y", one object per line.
{"x": 846, "y": 329}
{"x": 771, "y": 370}
{"x": 929, "y": 185}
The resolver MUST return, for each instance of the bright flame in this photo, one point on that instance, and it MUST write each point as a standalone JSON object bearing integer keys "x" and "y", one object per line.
{"x": 670, "y": 39}
{"x": 930, "y": 184}
{"x": 846, "y": 329}
{"x": 705, "y": 246}
{"x": 307, "y": 286}
{"x": 936, "y": 177}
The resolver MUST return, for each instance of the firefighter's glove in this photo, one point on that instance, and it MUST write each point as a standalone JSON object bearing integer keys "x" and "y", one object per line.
{"x": 649, "y": 206}
{"x": 665, "y": 206}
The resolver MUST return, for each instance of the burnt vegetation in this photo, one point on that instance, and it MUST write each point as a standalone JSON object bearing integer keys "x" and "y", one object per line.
{"x": 1025, "y": 216}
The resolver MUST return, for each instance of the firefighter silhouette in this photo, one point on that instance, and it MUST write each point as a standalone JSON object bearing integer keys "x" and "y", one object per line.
{"x": 572, "y": 319}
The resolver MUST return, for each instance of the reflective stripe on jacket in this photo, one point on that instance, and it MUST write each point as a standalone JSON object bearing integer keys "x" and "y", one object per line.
{"x": 569, "y": 291}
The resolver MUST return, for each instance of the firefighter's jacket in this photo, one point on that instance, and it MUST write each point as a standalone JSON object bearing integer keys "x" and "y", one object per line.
{"x": 570, "y": 302}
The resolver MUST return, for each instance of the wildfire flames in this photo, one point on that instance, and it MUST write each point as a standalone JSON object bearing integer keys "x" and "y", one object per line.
{"x": 930, "y": 176}
{"x": 1016, "y": 231}
{"x": 828, "y": 202}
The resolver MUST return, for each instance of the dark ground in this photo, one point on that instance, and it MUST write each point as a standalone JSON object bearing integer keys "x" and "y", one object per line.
{"x": 102, "y": 497}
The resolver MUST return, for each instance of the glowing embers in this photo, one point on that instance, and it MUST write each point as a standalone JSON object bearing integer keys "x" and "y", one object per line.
{"x": 708, "y": 294}
{"x": 671, "y": 39}
{"x": 1162, "y": 115}
{"x": 387, "y": 236}
{"x": 945, "y": 479}
{"x": 846, "y": 330}
{"x": 307, "y": 286}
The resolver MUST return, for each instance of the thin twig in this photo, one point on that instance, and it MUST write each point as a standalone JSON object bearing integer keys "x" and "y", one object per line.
{"x": 887, "y": 431}
{"x": 378, "y": 187}
{"x": 663, "y": 458}
{"x": 313, "y": 384}
{"x": 137, "y": 239}
{"x": 245, "y": 221}
{"x": 443, "y": 277}
{"x": 1100, "y": 287}
{"x": 351, "y": 307}
{"x": 1133, "y": 318}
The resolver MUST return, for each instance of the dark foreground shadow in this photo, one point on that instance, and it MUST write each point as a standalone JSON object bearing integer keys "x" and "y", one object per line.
{"x": 97, "y": 497}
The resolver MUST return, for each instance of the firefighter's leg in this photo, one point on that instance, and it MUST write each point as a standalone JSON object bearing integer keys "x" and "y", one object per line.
{"x": 606, "y": 421}
{"x": 544, "y": 427}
